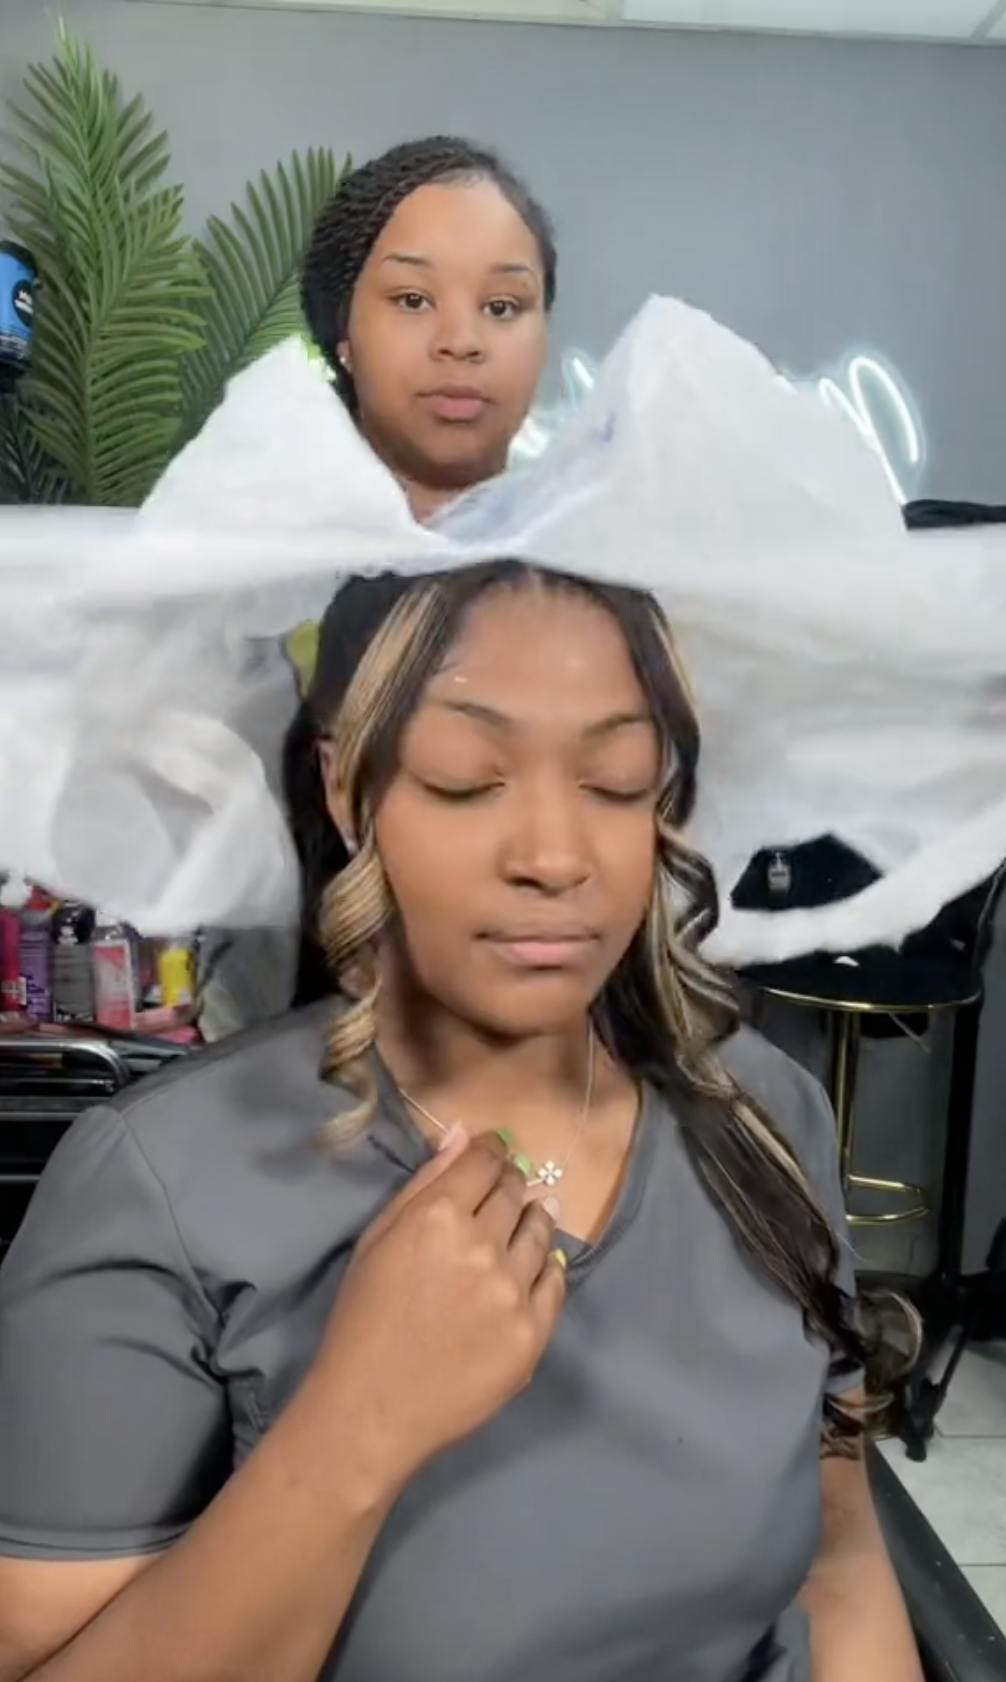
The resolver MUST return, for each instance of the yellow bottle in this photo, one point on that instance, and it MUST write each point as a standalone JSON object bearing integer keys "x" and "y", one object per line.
{"x": 176, "y": 972}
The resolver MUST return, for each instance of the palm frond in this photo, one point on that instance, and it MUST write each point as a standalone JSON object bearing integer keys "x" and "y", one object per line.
{"x": 26, "y": 472}
{"x": 116, "y": 312}
{"x": 252, "y": 265}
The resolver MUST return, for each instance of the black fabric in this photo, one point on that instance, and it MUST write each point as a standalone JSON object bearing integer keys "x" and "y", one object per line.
{"x": 816, "y": 872}
{"x": 824, "y": 871}
{"x": 939, "y": 965}
{"x": 877, "y": 976}
{"x": 928, "y": 513}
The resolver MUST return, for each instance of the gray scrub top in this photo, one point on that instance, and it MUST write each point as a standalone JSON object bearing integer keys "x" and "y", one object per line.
{"x": 645, "y": 1512}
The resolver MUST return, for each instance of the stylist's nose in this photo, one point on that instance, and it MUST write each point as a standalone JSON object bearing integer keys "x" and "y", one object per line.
{"x": 547, "y": 847}
{"x": 459, "y": 334}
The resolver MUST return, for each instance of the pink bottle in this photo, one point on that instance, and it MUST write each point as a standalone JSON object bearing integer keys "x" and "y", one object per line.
{"x": 13, "y": 895}
{"x": 113, "y": 966}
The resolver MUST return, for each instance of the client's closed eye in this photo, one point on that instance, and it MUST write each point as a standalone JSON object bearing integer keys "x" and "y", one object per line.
{"x": 623, "y": 796}
{"x": 461, "y": 794}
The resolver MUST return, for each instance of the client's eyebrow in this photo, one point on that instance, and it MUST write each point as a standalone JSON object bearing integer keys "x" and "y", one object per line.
{"x": 497, "y": 720}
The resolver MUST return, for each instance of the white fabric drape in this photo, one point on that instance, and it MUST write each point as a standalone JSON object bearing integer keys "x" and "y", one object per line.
{"x": 851, "y": 678}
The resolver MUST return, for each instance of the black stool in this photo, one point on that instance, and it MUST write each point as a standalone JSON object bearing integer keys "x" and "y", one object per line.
{"x": 938, "y": 970}
{"x": 884, "y": 983}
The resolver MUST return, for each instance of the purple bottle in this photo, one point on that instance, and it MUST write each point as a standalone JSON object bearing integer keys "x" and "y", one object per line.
{"x": 36, "y": 955}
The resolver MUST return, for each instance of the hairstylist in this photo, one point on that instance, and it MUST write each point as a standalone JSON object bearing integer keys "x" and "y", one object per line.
{"x": 427, "y": 288}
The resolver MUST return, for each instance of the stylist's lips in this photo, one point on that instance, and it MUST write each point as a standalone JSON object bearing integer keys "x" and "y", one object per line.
{"x": 543, "y": 949}
{"x": 457, "y": 403}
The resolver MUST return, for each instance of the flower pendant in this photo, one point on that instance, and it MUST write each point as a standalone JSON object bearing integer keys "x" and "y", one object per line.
{"x": 549, "y": 1174}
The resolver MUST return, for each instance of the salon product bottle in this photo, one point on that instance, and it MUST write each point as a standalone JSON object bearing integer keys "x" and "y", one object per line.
{"x": 176, "y": 968}
{"x": 72, "y": 975}
{"x": 13, "y": 893}
{"x": 36, "y": 955}
{"x": 18, "y": 280}
{"x": 148, "y": 982}
{"x": 113, "y": 968}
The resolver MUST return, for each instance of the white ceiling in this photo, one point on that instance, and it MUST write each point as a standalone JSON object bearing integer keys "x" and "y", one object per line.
{"x": 948, "y": 20}
{"x": 508, "y": 11}
{"x": 926, "y": 20}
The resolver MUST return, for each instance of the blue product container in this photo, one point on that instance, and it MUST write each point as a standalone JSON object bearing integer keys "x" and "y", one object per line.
{"x": 18, "y": 279}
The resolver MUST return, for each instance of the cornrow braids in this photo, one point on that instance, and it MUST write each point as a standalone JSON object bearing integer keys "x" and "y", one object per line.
{"x": 367, "y": 199}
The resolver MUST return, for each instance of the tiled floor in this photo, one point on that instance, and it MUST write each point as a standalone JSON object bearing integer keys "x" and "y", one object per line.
{"x": 961, "y": 1487}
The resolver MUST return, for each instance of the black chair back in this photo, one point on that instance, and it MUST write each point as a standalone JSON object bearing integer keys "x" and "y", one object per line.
{"x": 46, "y": 1081}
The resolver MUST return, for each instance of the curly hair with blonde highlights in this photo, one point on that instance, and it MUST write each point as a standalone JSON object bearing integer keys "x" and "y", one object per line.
{"x": 663, "y": 1014}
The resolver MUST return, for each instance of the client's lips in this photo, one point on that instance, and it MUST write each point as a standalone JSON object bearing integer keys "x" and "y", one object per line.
{"x": 458, "y": 403}
{"x": 543, "y": 949}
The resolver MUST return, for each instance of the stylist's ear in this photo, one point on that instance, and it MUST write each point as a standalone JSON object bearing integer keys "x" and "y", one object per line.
{"x": 335, "y": 796}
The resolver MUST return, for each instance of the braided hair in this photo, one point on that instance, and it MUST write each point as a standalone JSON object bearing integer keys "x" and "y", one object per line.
{"x": 344, "y": 236}
{"x": 351, "y": 224}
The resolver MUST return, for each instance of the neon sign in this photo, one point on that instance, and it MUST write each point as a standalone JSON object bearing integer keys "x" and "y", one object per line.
{"x": 870, "y": 394}
{"x": 865, "y": 389}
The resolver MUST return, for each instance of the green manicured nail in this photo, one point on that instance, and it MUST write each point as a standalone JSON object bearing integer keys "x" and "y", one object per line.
{"x": 505, "y": 1134}
{"x": 524, "y": 1164}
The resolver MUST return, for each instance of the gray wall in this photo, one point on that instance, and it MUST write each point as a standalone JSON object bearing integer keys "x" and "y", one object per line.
{"x": 816, "y": 196}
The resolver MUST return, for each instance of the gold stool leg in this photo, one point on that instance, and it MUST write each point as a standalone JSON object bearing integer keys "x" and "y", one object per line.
{"x": 846, "y": 1034}
{"x": 892, "y": 1217}
{"x": 845, "y": 1037}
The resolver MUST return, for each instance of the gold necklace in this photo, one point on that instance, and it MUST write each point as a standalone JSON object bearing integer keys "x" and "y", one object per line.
{"x": 547, "y": 1173}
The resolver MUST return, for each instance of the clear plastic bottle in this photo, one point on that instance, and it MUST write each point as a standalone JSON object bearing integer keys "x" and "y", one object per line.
{"x": 73, "y": 977}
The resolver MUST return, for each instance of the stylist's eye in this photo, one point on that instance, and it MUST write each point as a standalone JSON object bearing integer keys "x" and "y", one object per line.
{"x": 412, "y": 302}
{"x": 504, "y": 309}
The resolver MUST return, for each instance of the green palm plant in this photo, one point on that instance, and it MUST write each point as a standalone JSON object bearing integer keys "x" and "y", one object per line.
{"x": 137, "y": 328}
{"x": 27, "y": 473}
{"x": 253, "y": 269}
{"x": 116, "y": 309}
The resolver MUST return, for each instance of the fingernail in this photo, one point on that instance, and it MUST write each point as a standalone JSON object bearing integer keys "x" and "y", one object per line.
{"x": 505, "y": 1134}
{"x": 450, "y": 1138}
{"x": 523, "y": 1164}
{"x": 552, "y": 1206}
{"x": 560, "y": 1258}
